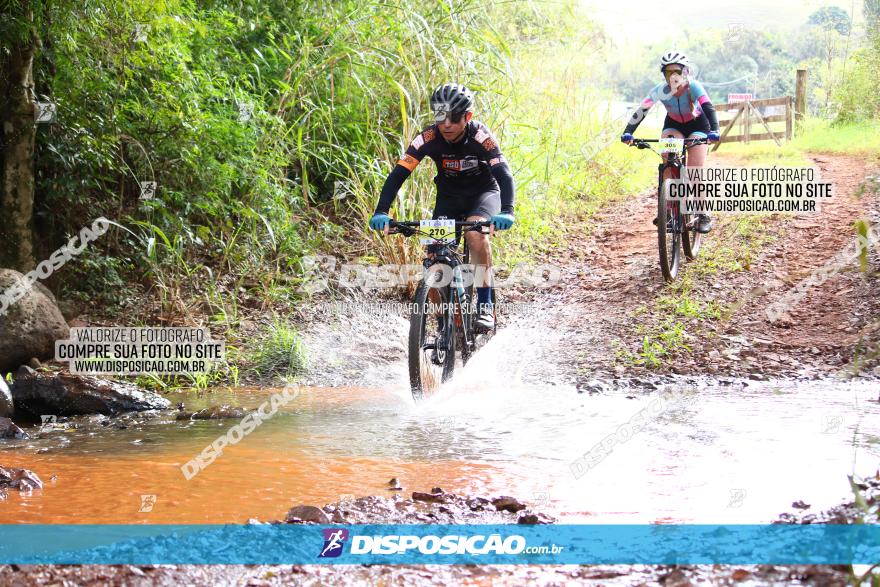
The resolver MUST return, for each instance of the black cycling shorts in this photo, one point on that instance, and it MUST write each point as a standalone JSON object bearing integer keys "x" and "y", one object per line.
{"x": 486, "y": 205}
{"x": 698, "y": 126}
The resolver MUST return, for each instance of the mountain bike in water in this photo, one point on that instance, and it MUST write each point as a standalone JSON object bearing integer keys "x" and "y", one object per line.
{"x": 675, "y": 231}
{"x": 444, "y": 309}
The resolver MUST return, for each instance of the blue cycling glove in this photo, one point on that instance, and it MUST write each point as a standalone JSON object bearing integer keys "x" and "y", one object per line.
{"x": 626, "y": 138}
{"x": 714, "y": 137}
{"x": 503, "y": 221}
{"x": 380, "y": 221}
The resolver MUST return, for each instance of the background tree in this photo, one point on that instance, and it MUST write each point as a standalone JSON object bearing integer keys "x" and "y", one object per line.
{"x": 20, "y": 42}
{"x": 834, "y": 23}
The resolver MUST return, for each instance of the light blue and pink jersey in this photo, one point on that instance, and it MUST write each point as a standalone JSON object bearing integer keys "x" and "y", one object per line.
{"x": 684, "y": 108}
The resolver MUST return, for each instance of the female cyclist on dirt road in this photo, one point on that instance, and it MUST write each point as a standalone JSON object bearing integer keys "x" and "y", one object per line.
{"x": 689, "y": 114}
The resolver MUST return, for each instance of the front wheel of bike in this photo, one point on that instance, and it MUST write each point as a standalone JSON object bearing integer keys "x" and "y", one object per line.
{"x": 691, "y": 240}
{"x": 668, "y": 236}
{"x": 432, "y": 338}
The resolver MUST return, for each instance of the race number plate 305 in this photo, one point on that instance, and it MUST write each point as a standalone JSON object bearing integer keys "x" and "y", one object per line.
{"x": 437, "y": 231}
{"x": 671, "y": 145}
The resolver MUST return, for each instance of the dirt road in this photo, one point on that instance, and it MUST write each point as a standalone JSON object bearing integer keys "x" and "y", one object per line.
{"x": 613, "y": 295}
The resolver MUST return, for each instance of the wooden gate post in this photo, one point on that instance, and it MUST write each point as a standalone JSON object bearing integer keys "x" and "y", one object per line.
{"x": 747, "y": 131}
{"x": 788, "y": 119}
{"x": 800, "y": 100}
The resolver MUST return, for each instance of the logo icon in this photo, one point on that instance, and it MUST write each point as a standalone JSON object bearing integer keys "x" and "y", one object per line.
{"x": 334, "y": 540}
{"x": 831, "y": 424}
{"x": 147, "y": 503}
{"x": 542, "y": 498}
{"x": 44, "y": 112}
{"x": 737, "y": 497}
{"x": 460, "y": 165}
{"x": 148, "y": 190}
{"x": 48, "y": 422}
{"x": 735, "y": 30}
{"x": 245, "y": 111}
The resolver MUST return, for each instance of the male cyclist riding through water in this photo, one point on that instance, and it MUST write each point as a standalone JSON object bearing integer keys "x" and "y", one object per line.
{"x": 689, "y": 113}
{"x": 474, "y": 182}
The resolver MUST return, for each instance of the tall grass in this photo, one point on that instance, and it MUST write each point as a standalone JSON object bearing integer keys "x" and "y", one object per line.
{"x": 818, "y": 136}
{"x": 279, "y": 352}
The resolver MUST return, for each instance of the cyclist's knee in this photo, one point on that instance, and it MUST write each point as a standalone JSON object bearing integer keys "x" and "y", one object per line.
{"x": 477, "y": 240}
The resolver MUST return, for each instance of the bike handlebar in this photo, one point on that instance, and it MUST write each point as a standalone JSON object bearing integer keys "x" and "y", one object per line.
{"x": 409, "y": 228}
{"x": 417, "y": 223}
{"x": 687, "y": 140}
{"x": 688, "y": 143}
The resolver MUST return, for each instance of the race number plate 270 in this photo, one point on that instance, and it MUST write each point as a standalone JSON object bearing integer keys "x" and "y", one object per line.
{"x": 671, "y": 145}
{"x": 437, "y": 231}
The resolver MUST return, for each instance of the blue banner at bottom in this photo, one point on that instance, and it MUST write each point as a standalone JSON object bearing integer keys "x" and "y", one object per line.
{"x": 436, "y": 544}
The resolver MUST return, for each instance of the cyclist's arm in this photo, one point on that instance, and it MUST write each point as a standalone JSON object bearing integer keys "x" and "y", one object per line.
{"x": 502, "y": 174}
{"x": 398, "y": 175}
{"x": 498, "y": 166}
{"x": 701, "y": 97}
{"x": 392, "y": 185}
{"x": 709, "y": 111}
{"x": 638, "y": 115}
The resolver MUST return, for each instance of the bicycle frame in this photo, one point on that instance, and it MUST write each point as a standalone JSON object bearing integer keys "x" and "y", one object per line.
{"x": 445, "y": 254}
{"x": 674, "y": 161}
{"x": 674, "y": 223}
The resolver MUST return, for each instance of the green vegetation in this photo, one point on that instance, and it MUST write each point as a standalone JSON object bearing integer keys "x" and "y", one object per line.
{"x": 661, "y": 343}
{"x": 829, "y": 137}
{"x": 269, "y": 127}
{"x": 818, "y": 136}
{"x": 280, "y": 352}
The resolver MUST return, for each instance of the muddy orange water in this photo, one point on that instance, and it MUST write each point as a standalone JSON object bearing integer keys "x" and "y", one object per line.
{"x": 730, "y": 454}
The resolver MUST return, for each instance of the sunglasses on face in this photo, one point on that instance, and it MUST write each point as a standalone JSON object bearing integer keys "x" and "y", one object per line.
{"x": 455, "y": 117}
{"x": 669, "y": 72}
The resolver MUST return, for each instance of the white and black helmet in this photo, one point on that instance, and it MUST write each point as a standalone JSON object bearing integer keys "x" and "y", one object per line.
{"x": 452, "y": 99}
{"x": 674, "y": 57}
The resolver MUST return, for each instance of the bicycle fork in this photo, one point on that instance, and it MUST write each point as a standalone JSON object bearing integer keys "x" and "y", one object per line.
{"x": 673, "y": 215}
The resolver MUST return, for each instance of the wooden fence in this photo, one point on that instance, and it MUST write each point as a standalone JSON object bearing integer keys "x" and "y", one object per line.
{"x": 747, "y": 115}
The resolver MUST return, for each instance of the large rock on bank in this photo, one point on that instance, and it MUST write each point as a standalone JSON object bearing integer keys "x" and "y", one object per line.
{"x": 65, "y": 394}
{"x": 8, "y": 429}
{"x": 29, "y": 326}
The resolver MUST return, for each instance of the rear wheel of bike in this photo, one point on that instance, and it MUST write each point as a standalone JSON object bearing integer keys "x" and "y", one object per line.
{"x": 668, "y": 236}
{"x": 432, "y": 339}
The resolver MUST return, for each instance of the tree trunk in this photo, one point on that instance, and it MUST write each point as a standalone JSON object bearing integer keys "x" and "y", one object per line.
{"x": 17, "y": 159}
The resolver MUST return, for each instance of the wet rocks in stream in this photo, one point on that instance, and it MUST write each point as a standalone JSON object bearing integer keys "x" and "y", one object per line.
{"x": 436, "y": 507}
{"x": 845, "y": 513}
{"x": 9, "y": 430}
{"x": 67, "y": 394}
{"x": 508, "y": 504}
{"x": 22, "y": 480}
{"x": 214, "y": 413}
{"x": 306, "y": 514}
